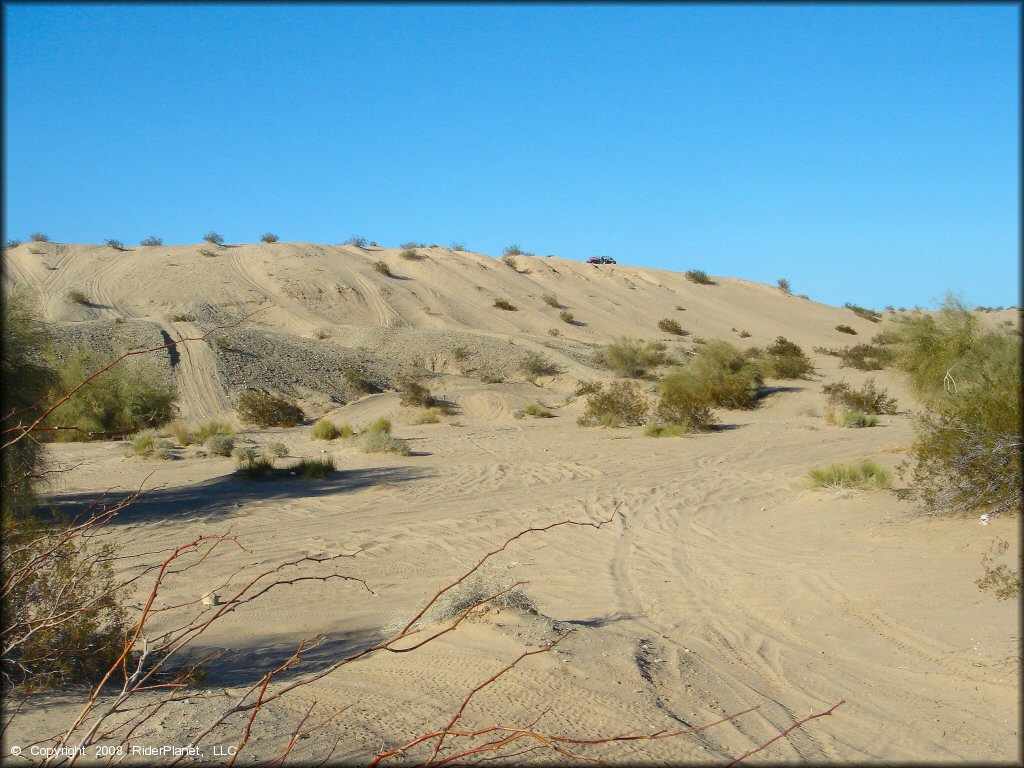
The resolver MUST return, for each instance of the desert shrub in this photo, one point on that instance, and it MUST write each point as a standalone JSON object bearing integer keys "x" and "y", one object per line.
{"x": 858, "y": 419}
{"x": 666, "y": 430}
{"x": 504, "y": 304}
{"x": 356, "y": 240}
{"x": 862, "y": 474}
{"x": 622, "y": 404}
{"x": 510, "y": 261}
{"x": 212, "y": 427}
{"x": 355, "y": 379}
{"x": 684, "y": 405}
{"x": 12, "y": 243}
{"x": 699, "y": 276}
{"x": 744, "y": 334}
{"x": 179, "y": 431}
{"x": 416, "y": 394}
{"x": 632, "y": 358}
{"x": 255, "y": 466}
{"x": 551, "y": 300}
{"x": 184, "y": 318}
{"x": 77, "y": 297}
{"x": 409, "y": 254}
{"x": 117, "y": 245}
{"x": 213, "y": 237}
{"x": 537, "y": 411}
{"x": 783, "y": 359}
{"x": 381, "y": 442}
{"x": 671, "y": 326}
{"x": 259, "y": 407}
{"x": 380, "y": 426}
{"x": 149, "y": 242}
{"x": 220, "y": 444}
{"x": 123, "y": 399}
{"x": 1004, "y": 583}
{"x": 719, "y": 375}
{"x": 458, "y": 246}
{"x": 846, "y": 329}
{"x": 513, "y": 250}
{"x": 554, "y": 332}
{"x": 40, "y": 650}
{"x": 584, "y": 387}
{"x": 269, "y": 237}
{"x": 483, "y": 584}
{"x": 535, "y": 364}
{"x": 38, "y": 237}
{"x": 567, "y": 317}
{"x": 864, "y": 357}
{"x": 783, "y": 284}
{"x": 208, "y": 252}
{"x": 424, "y": 416}
{"x": 491, "y": 376}
{"x": 383, "y": 268}
{"x": 149, "y": 445}
{"x": 324, "y": 430}
{"x": 277, "y": 450}
{"x": 313, "y": 469}
{"x": 867, "y": 399}
{"x": 867, "y": 314}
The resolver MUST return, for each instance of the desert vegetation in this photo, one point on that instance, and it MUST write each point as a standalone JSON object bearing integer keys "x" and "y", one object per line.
{"x": 622, "y": 404}
{"x": 718, "y": 375}
{"x": 784, "y": 286}
{"x": 671, "y": 326}
{"x": 269, "y": 237}
{"x": 865, "y": 474}
{"x": 150, "y": 242}
{"x": 214, "y": 238}
{"x": 699, "y": 276}
{"x": 265, "y": 409}
{"x": 867, "y": 314}
{"x": 382, "y": 267}
{"x": 505, "y": 304}
{"x": 842, "y": 328}
{"x": 632, "y": 358}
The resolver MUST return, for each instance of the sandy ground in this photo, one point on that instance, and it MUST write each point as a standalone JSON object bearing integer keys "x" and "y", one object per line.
{"x": 721, "y": 583}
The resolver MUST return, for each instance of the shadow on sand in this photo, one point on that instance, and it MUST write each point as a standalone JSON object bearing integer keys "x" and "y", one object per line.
{"x": 220, "y": 496}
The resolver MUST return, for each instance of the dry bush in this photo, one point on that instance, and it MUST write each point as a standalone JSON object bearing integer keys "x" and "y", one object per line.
{"x": 846, "y": 329}
{"x": 783, "y": 284}
{"x": 383, "y": 268}
{"x": 867, "y": 314}
{"x": 277, "y": 450}
{"x": 699, "y": 276}
{"x": 379, "y": 426}
{"x": 534, "y": 364}
{"x": 632, "y": 358}
{"x": 867, "y": 399}
{"x": 38, "y": 237}
{"x": 551, "y": 300}
{"x": 684, "y": 407}
{"x": 117, "y": 245}
{"x": 150, "y": 242}
{"x": 425, "y": 416}
{"x": 381, "y": 442}
{"x": 622, "y": 404}
{"x": 213, "y": 237}
{"x": 504, "y": 304}
{"x": 357, "y": 240}
{"x": 567, "y": 317}
{"x": 671, "y": 326}
{"x": 269, "y": 237}
{"x": 324, "y": 430}
{"x": 409, "y": 254}
{"x": 220, "y": 444}
{"x": 148, "y": 444}
{"x": 264, "y": 409}
{"x": 77, "y": 297}
{"x": 12, "y": 243}
{"x": 180, "y": 432}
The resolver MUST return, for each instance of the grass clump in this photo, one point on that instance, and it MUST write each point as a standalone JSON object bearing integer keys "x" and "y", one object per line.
{"x": 324, "y": 430}
{"x": 666, "y": 430}
{"x": 867, "y": 314}
{"x": 313, "y": 469}
{"x": 862, "y": 474}
{"x": 846, "y": 329}
{"x": 179, "y": 431}
{"x": 381, "y": 442}
{"x": 504, "y": 304}
{"x": 409, "y": 254}
{"x": 858, "y": 419}
{"x": 868, "y": 399}
{"x": 220, "y": 444}
{"x": 535, "y": 364}
{"x": 632, "y": 358}
{"x": 622, "y": 404}
{"x": 77, "y": 297}
{"x": 551, "y": 300}
{"x": 671, "y": 326}
{"x": 699, "y": 276}
{"x": 264, "y": 409}
{"x": 212, "y": 427}
{"x": 149, "y": 445}
{"x": 255, "y": 466}
{"x": 379, "y": 426}
{"x": 383, "y": 268}
{"x": 538, "y": 411}
{"x": 277, "y": 450}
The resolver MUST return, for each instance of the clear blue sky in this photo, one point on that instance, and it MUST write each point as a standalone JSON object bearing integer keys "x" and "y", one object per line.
{"x": 868, "y": 153}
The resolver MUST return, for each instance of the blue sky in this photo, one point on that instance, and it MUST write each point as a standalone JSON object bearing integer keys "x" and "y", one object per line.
{"x": 868, "y": 153}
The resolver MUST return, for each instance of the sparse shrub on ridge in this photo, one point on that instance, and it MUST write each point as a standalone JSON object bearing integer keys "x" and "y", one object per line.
{"x": 149, "y": 242}
{"x": 38, "y": 237}
{"x": 259, "y": 407}
{"x": 671, "y": 326}
{"x": 458, "y": 246}
{"x": 409, "y": 254}
{"x": 12, "y": 243}
{"x": 357, "y": 241}
{"x": 510, "y": 261}
{"x": 117, "y": 245}
{"x": 699, "y": 276}
{"x": 783, "y": 284}
{"x": 632, "y": 358}
{"x": 622, "y": 404}
{"x": 269, "y": 237}
{"x": 213, "y": 237}
{"x": 513, "y": 250}
{"x": 383, "y": 268}
{"x": 867, "y": 314}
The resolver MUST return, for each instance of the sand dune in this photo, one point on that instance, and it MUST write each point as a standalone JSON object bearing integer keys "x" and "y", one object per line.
{"x": 722, "y": 583}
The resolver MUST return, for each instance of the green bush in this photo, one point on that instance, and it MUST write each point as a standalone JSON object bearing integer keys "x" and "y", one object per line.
{"x": 846, "y": 329}
{"x": 567, "y": 317}
{"x": 700, "y": 277}
{"x": 380, "y": 426}
{"x": 381, "y": 442}
{"x": 324, "y": 430}
{"x": 149, "y": 445}
{"x": 416, "y": 394}
{"x": 666, "y": 430}
{"x": 862, "y": 474}
{"x": 535, "y": 364}
{"x": 867, "y": 399}
{"x": 277, "y": 450}
{"x": 313, "y": 469}
{"x": 671, "y": 326}
{"x": 622, "y": 404}
{"x": 858, "y": 419}
{"x": 785, "y": 360}
{"x": 684, "y": 406}
{"x": 212, "y": 427}
{"x": 551, "y": 300}
{"x": 719, "y": 375}
{"x": 259, "y": 407}
{"x": 180, "y": 431}
{"x": 632, "y": 358}
{"x": 253, "y": 465}
{"x": 122, "y": 399}
{"x": 538, "y": 411}
{"x": 220, "y": 444}
{"x": 504, "y": 304}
